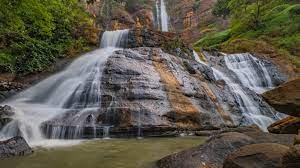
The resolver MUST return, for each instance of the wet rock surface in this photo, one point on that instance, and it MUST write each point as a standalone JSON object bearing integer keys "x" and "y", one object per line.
{"x": 263, "y": 155}
{"x": 13, "y": 147}
{"x": 146, "y": 88}
{"x": 285, "y": 98}
{"x": 155, "y": 88}
{"x": 5, "y": 115}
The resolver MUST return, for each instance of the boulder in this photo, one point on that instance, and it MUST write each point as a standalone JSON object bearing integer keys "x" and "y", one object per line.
{"x": 210, "y": 154}
{"x": 264, "y": 137}
{"x": 289, "y": 125}
{"x": 13, "y": 147}
{"x": 291, "y": 158}
{"x": 214, "y": 151}
{"x": 285, "y": 98}
{"x": 5, "y": 113}
{"x": 263, "y": 155}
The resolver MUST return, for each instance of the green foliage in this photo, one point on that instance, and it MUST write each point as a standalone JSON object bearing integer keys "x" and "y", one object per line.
{"x": 276, "y": 22}
{"x": 34, "y": 33}
{"x": 221, "y": 8}
{"x": 212, "y": 40}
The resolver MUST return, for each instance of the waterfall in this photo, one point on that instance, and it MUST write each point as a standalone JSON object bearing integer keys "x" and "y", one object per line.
{"x": 162, "y": 16}
{"x": 247, "y": 105}
{"x": 157, "y": 14}
{"x": 66, "y": 100}
{"x": 251, "y": 71}
{"x": 106, "y": 132}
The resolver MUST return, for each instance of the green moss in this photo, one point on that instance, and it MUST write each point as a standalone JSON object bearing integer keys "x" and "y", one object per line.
{"x": 213, "y": 39}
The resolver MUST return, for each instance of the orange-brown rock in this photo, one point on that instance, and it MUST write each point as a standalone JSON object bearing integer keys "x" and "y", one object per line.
{"x": 184, "y": 111}
{"x": 289, "y": 125}
{"x": 285, "y": 98}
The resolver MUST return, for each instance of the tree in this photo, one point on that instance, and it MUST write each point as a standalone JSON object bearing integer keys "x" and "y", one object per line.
{"x": 221, "y": 8}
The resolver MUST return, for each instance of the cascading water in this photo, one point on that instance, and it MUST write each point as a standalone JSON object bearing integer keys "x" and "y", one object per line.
{"x": 64, "y": 101}
{"x": 157, "y": 14}
{"x": 162, "y": 16}
{"x": 248, "y": 107}
{"x": 251, "y": 72}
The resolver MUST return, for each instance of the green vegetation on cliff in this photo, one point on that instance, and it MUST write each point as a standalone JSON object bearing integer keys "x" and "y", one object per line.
{"x": 269, "y": 24}
{"x": 34, "y": 33}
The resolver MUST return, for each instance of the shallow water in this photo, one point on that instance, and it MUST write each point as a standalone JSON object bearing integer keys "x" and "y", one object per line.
{"x": 113, "y": 153}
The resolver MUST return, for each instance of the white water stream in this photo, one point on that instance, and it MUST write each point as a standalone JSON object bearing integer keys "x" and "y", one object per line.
{"x": 74, "y": 90}
{"x": 247, "y": 73}
{"x": 162, "y": 17}
{"x": 251, "y": 71}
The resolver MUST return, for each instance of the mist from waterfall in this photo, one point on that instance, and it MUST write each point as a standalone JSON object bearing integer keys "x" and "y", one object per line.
{"x": 75, "y": 92}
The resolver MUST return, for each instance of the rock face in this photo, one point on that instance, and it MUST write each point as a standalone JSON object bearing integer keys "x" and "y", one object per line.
{"x": 285, "y": 98}
{"x": 215, "y": 150}
{"x": 9, "y": 88}
{"x": 5, "y": 113}
{"x": 169, "y": 42}
{"x": 263, "y": 155}
{"x": 16, "y": 146}
{"x": 148, "y": 89}
{"x": 149, "y": 86}
{"x": 289, "y": 125}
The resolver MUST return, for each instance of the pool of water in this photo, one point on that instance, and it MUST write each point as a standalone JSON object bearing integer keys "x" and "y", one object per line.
{"x": 113, "y": 153}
